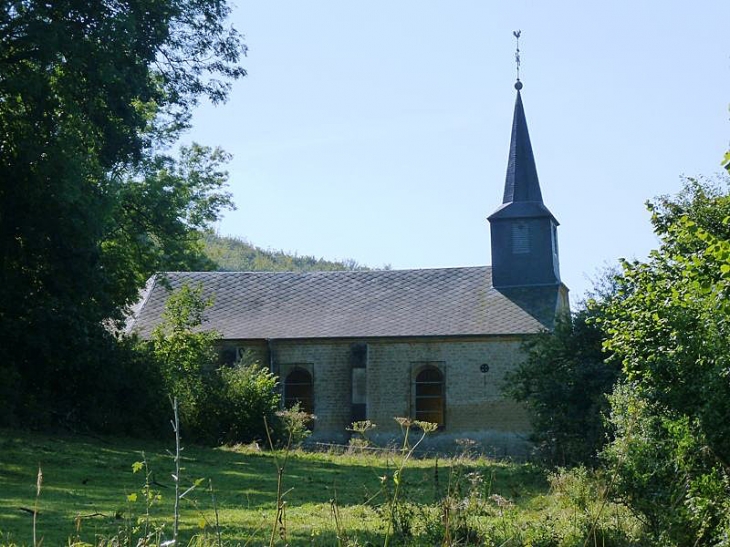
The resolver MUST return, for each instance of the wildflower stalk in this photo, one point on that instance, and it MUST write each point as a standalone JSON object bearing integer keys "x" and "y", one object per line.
{"x": 407, "y": 451}
{"x": 342, "y": 539}
{"x": 215, "y": 510}
{"x": 280, "y": 467}
{"x": 148, "y": 495}
{"x": 176, "y": 476}
{"x": 38, "y": 485}
{"x": 294, "y": 421}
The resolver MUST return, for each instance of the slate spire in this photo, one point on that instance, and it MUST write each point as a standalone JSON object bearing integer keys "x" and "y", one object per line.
{"x": 522, "y": 196}
{"x": 521, "y": 183}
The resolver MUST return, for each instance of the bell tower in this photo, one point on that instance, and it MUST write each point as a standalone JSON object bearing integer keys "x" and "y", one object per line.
{"x": 524, "y": 233}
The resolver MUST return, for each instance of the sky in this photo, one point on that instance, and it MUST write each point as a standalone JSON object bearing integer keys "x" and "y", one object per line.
{"x": 379, "y": 131}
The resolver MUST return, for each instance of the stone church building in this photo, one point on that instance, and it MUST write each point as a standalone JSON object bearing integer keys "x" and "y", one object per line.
{"x": 430, "y": 344}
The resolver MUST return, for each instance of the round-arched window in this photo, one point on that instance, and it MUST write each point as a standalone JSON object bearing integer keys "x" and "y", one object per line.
{"x": 430, "y": 396}
{"x": 298, "y": 388}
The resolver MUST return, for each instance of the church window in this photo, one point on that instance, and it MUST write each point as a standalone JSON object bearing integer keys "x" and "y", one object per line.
{"x": 298, "y": 388}
{"x": 430, "y": 396}
{"x": 520, "y": 238}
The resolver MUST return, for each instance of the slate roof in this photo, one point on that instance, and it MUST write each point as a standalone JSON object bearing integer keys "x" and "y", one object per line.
{"x": 521, "y": 183}
{"x": 356, "y": 304}
{"x": 522, "y": 196}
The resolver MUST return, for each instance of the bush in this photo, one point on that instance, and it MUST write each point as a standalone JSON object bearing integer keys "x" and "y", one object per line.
{"x": 564, "y": 382}
{"x": 247, "y": 395}
{"x": 665, "y": 474}
{"x": 129, "y": 398}
{"x": 671, "y": 334}
{"x": 217, "y": 404}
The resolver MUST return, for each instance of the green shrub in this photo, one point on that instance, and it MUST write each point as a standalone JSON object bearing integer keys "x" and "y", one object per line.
{"x": 247, "y": 395}
{"x": 671, "y": 334}
{"x": 217, "y": 404}
{"x": 665, "y": 474}
{"x": 563, "y": 383}
{"x": 130, "y": 397}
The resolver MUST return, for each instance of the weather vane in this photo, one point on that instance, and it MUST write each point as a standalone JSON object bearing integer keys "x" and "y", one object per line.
{"x": 516, "y": 34}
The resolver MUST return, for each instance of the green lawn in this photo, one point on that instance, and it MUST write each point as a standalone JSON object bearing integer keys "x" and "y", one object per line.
{"x": 88, "y": 484}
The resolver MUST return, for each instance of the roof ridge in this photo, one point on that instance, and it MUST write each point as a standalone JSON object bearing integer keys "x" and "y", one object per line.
{"x": 324, "y": 272}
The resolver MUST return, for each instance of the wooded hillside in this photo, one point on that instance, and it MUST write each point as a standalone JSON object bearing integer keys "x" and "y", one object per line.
{"x": 232, "y": 254}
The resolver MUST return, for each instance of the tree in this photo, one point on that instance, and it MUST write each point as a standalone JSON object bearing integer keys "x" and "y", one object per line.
{"x": 90, "y": 92}
{"x": 186, "y": 356}
{"x": 160, "y": 215}
{"x": 218, "y": 403}
{"x": 671, "y": 334}
{"x": 564, "y": 382}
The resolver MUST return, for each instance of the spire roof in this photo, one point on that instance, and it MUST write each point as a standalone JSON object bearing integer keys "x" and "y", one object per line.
{"x": 521, "y": 183}
{"x": 522, "y": 195}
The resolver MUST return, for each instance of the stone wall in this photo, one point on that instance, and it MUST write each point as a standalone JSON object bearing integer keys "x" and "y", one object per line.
{"x": 473, "y": 370}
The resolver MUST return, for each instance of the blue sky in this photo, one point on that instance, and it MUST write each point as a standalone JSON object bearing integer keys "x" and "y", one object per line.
{"x": 379, "y": 130}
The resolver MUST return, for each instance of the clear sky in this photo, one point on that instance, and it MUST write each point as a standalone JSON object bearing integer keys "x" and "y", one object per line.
{"x": 379, "y": 130}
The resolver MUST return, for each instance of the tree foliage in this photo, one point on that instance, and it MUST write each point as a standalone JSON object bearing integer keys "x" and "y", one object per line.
{"x": 671, "y": 334}
{"x": 218, "y": 403}
{"x": 90, "y": 92}
{"x": 184, "y": 353}
{"x": 248, "y": 394}
{"x": 564, "y": 382}
{"x": 160, "y": 214}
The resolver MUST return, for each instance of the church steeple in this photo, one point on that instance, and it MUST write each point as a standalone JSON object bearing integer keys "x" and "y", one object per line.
{"x": 522, "y": 196}
{"x": 521, "y": 183}
{"x": 524, "y": 231}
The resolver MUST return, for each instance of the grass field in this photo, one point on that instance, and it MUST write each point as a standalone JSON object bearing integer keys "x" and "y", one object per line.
{"x": 88, "y": 490}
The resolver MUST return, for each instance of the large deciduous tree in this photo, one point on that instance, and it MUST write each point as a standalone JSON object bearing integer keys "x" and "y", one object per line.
{"x": 89, "y": 93}
{"x": 671, "y": 334}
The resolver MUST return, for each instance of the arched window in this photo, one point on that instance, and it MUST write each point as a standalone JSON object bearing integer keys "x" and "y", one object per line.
{"x": 298, "y": 389}
{"x": 430, "y": 396}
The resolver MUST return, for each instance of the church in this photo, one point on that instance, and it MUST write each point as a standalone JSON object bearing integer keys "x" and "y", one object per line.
{"x": 431, "y": 344}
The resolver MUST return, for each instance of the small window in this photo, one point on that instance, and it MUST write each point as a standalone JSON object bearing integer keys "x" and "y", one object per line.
{"x": 430, "y": 396}
{"x": 298, "y": 389}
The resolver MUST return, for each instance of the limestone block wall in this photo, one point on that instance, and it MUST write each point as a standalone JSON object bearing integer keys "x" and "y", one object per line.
{"x": 473, "y": 370}
{"x": 329, "y": 364}
{"x": 473, "y": 398}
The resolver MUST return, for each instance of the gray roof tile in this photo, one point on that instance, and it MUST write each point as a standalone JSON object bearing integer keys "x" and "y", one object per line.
{"x": 388, "y": 303}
